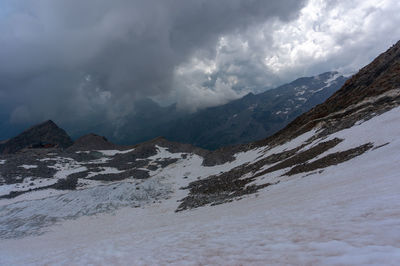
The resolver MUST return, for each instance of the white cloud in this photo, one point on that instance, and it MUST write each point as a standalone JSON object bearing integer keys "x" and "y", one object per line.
{"x": 327, "y": 35}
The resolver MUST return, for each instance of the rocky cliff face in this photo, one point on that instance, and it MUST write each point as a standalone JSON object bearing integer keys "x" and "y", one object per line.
{"x": 46, "y": 134}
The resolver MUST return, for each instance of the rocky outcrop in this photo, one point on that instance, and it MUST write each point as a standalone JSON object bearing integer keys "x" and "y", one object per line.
{"x": 44, "y": 135}
{"x": 92, "y": 142}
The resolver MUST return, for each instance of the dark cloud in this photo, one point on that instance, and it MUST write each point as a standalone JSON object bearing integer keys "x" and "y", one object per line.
{"x": 87, "y": 62}
{"x": 76, "y": 60}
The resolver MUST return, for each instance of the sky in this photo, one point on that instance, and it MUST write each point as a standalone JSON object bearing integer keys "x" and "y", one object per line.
{"x": 75, "y": 61}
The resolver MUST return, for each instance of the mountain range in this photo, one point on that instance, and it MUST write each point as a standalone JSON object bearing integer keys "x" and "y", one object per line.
{"x": 254, "y": 116}
{"x": 249, "y": 118}
{"x": 322, "y": 190}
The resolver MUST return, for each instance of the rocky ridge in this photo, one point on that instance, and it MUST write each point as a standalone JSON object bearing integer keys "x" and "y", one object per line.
{"x": 46, "y": 134}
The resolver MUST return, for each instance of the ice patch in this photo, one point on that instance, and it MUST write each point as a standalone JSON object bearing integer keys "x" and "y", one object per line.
{"x": 36, "y": 214}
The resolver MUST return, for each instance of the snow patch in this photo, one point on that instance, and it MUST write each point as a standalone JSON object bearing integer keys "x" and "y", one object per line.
{"x": 114, "y": 152}
{"x": 66, "y": 167}
{"x": 105, "y": 170}
{"x": 163, "y": 153}
{"x": 25, "y": 185}
{"x": 27, "y": 166}
{"x": 329, "y": 81}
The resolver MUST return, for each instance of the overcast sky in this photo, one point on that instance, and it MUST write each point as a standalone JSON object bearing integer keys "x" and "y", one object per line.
{"x": 74, "y": 60}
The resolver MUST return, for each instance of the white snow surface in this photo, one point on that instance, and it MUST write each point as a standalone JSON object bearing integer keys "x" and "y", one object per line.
{"x": 114, "y": 152}
{"x": 28, "y": 183}
{"x": 347, "y": 214}
{"x": 105, "y": 170}
{"x": 329, "y": 81}
{"x": 28, "y": 166}
{"x": 163, "y": 153}
{"x": 66, "y": 167}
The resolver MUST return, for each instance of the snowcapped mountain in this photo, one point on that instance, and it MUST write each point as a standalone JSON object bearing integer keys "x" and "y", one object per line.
{"x": 247, "y": 119}
{"x": 324, "y": 190}
{"x": 256, "y": 115}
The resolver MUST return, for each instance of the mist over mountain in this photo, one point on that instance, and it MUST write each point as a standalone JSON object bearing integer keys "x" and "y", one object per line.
{"x": 250, "y": 118}
{"x": 82, "y": 64}
{"x": 325, "y": 187}
{"x": 256, "y": 115}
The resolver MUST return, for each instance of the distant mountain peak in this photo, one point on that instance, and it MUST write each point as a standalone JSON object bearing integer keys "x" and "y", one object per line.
{"x": 45, "y": 134}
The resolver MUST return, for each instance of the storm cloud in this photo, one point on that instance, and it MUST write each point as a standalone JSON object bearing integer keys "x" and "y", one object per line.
{"x": 93, "y": 57}
{"x": 77, "y": 61}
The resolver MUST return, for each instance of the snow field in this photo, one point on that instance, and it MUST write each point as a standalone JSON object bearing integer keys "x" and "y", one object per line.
{"x": 347, "y": 214}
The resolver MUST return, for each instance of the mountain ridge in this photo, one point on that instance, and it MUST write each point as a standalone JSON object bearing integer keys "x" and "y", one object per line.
{"x": 381, "y": 75}
{"x": 44, "y": 134}
{"x": 254, "y": 116}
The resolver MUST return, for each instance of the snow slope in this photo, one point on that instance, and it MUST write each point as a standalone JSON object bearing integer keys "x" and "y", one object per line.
{"x": 343, "y": 214}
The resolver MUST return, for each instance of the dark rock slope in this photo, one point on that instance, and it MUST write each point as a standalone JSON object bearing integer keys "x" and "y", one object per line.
{"x": 92, "y": 142}
{"x": 46, "y": 134}
{"x": 380, "y": 76}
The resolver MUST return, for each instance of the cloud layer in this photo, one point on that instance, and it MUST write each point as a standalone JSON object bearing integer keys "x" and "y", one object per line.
{"x": 326, "y": 36}
{"x": 84, "y": 56}
{"x": 78, "y": 61}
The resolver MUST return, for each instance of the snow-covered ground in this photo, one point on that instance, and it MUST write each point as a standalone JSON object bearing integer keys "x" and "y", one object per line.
{"x": 344, "y": 215}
